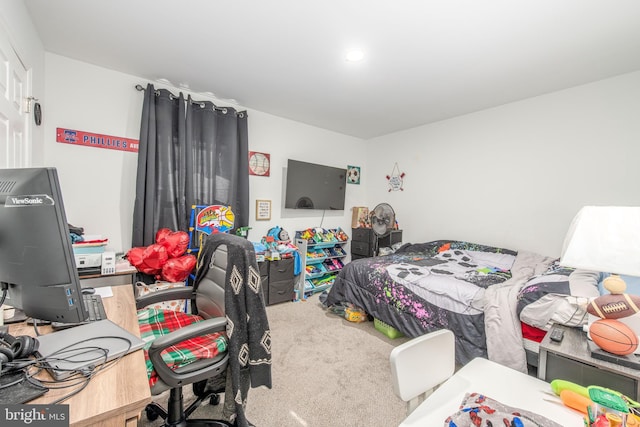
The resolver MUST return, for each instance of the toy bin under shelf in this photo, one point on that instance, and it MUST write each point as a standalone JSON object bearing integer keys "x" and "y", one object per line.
{"x": 388, "y": 330}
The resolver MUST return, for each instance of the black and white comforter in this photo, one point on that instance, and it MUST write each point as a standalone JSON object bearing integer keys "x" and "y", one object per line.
{"x": 472, "y": 289}
{"x": 429, "y": 286}
{"x": 559, "y": 295}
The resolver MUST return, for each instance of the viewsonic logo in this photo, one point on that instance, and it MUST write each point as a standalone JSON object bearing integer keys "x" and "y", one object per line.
{"x": 30, "y": 200}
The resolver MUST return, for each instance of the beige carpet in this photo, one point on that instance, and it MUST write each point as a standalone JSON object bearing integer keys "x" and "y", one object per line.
{"x": 326, "y": 372}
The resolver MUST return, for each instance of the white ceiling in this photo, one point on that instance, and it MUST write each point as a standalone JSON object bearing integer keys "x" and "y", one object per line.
{"x": 425, "y": 60}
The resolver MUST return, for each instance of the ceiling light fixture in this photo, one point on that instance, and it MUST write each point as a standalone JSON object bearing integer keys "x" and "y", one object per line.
{"x": 355, "y": 55}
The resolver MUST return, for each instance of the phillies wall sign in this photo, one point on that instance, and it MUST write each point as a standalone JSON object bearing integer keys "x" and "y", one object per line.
{"x": 78, "y": 137}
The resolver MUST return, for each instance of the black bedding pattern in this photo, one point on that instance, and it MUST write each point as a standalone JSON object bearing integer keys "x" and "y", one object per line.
{"x": 553, "y": 281}
{"x": 428, "y": 286}
{"x": 559, "y": 295}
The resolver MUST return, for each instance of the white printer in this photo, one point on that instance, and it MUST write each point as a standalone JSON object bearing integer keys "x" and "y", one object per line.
{"x": 91, "y": 264}
{"x": 88, "y": 264}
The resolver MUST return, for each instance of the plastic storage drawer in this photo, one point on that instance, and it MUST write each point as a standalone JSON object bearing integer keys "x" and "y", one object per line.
{"x": 281, "y": 291}
{"x": 280, "y": 270}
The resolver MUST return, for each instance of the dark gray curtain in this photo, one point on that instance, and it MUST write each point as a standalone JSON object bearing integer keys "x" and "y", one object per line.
{"x": 191, "y": 153}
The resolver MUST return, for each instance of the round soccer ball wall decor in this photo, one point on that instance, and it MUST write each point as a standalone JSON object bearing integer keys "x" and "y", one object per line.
{"x": 353, "y": 175}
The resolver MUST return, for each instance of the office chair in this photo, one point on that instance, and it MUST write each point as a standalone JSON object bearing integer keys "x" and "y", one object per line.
{"x": 219, "y": 284}
{"x": 420, "y": 365}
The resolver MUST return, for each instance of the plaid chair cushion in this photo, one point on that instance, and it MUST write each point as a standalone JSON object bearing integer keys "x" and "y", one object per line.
{"x": 155, "y": 323}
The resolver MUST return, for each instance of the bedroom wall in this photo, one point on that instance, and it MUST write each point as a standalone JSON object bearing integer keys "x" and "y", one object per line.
{"x": 511, "y": 176}
{"x": 515, "y": 175}
{"x": 99, "y": 184}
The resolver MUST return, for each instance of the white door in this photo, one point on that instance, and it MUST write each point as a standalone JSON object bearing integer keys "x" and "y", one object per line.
{"x": 15, "y": 146}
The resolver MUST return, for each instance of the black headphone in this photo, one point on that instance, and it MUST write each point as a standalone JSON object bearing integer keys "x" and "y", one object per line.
{"x": 20, "y": 347}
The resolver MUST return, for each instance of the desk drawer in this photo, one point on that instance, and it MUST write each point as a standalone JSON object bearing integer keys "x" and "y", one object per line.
{"x": 280, "y": 270}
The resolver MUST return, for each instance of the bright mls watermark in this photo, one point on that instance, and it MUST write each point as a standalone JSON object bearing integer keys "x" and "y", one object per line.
{"x": 34, "y": 415}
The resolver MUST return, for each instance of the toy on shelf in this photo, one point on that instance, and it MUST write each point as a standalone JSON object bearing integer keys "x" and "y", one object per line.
{"x": 321, "y": 250}
{"x": 242, "y": 231}
{"x": 321, "y": 235}
{"x": 307, "y": 235}
{"x": 318, "y": 237}
{"x": 278, "y": 244}
{"x": 316, "y": 253}
{"x": 340, "y": 235}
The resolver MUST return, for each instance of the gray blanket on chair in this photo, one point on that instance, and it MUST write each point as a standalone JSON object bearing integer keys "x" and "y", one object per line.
{"x": 247, "y": 325}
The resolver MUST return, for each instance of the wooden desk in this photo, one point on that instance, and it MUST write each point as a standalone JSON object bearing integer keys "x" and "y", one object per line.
{"x": 126, "y": 277}
{"x": 117, "y": 395}
{"x": 503, "y": 384}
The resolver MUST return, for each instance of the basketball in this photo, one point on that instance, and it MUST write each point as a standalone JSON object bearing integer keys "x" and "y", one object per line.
{"x": 613, "y": 336}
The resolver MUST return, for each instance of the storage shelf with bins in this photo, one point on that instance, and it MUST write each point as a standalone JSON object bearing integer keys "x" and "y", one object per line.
{"x": 322, "y": 254}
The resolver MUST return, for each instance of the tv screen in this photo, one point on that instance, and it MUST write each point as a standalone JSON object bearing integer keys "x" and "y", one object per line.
{"x": 313, "y": 186}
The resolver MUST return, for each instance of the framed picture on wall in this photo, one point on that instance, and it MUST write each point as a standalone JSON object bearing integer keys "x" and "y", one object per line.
{"x": 353, "y": 174}
{"x": 263, "y": 210}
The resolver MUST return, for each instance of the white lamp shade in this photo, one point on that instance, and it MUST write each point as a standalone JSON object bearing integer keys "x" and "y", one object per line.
{"x": 605, "y": 239}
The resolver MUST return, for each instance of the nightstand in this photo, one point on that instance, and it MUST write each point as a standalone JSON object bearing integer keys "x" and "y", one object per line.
{"x": 571, "y": 360}
{"x": 281, "y": 283}
{"x": 365, "y": 243}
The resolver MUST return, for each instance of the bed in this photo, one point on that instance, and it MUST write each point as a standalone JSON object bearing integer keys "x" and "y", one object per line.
{"x": 477, "y": 291}
{"x": 558, "y": 295}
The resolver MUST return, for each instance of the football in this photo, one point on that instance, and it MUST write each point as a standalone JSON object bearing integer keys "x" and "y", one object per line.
{"x": 613, "y": 336}
{"x": 614, "y": 306}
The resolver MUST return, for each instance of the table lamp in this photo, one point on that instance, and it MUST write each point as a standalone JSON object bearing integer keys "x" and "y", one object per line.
{"x": 607, "y": 239}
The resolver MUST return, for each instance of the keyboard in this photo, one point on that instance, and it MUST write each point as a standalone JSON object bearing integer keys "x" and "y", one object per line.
{"x": 93, "y": 304}
{"x": 95, "y": 307}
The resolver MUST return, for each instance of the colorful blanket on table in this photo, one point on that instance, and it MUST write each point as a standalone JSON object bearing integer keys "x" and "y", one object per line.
{"x": 155, "y": 323}
{"x": 479, "y": 410}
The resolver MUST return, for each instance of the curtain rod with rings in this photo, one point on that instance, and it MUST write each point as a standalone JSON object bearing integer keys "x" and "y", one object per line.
{"x": 224, "y": 110}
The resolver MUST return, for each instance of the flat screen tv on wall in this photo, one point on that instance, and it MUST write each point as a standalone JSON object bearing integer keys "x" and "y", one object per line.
{"x": 313, "y": 186}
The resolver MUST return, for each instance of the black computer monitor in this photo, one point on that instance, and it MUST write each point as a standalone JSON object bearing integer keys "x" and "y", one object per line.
{"x": 37, "y": 266}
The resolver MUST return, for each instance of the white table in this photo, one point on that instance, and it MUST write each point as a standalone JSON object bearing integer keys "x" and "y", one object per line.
{"x": 498, "y": 382}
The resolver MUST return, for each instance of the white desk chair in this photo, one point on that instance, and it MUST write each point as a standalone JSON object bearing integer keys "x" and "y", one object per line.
{"x": 421, "y": 365}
